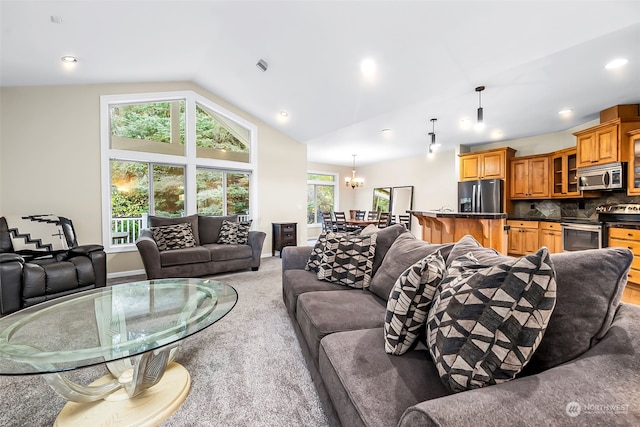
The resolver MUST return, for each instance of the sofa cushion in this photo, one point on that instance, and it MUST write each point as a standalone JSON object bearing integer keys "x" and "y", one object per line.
{"x": 370, "y": 387}
{"x": 209, "y": 227}
{"x": 409, "y": 303}
{"x": 348, "y": 260}
{"x": 158, "y": 221}
{"x": 225, "y": 252}
{"x": 297, "y": 282}
{"x": 234, "y": 233}
{"x": 385, "y": 238}
{"x": 322, "y": 313}
{"x": 484, "y": 327}
{"x": 185, "y": 256}
{"x": 175, "y": 236}
{"x": 404, "y": 252}
{"x": 590, "y": 285}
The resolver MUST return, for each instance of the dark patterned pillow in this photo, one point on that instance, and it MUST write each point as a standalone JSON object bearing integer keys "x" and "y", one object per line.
{"x": 176, "y": 236}
{"x": 485, "y": 324}
{"x": 348, "y": 260}
{"x": 234, "y": 233}
{"x": 316, "y": 254}
{"x": 409, "y": 301}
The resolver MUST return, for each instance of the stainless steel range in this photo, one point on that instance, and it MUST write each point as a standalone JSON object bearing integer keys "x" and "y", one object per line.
{"x": 621, "y": 215}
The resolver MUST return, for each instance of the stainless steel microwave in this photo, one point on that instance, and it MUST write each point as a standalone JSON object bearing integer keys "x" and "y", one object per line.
{"x": 602, "y": 177}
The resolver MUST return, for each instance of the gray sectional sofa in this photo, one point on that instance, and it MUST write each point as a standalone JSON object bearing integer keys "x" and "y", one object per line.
{"x": 206, "y": 257}
{"x": 584, "y": 371}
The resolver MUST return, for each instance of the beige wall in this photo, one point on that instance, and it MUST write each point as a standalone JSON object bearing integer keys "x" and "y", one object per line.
{"x": 50, "y": 160}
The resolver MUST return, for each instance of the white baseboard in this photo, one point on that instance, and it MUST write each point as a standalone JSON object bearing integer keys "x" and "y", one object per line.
{"x": 124, "y": 273}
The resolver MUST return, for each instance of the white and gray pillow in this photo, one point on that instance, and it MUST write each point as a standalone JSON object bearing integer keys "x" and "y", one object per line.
{"x": 175, "y": 236}
{"x": 409, "y": 302}
{"x": 234, "y": 233}
{"x": 485, "y": 323}
{"x": 348, "y": 260}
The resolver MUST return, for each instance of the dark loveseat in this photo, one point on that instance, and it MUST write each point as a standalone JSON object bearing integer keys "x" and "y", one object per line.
{"x": 206, "y": 257}
{"x": 584, "y": 372}
{"x": 28, "y": 277}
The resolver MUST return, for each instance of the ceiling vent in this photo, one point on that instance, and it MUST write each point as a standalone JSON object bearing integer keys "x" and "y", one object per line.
{"x": 262, "y": 65}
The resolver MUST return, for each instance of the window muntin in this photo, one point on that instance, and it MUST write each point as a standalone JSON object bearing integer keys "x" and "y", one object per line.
{"x": 321, "y": 195}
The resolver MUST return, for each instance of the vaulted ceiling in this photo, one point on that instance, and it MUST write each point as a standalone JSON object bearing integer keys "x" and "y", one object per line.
{"x": 535, "y": 58}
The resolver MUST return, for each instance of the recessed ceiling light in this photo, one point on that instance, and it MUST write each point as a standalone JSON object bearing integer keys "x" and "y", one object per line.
{"x": 368, "y": 67}
{"x": 56, "y": 19}
{"x": 385, "y": 131}
{"x": 284, "y": 113}
{"x": 69, "y": 59}
{"x": 565, "y": 111}
{"x": 616, "y": 63}
{"x": 465, "y": 124}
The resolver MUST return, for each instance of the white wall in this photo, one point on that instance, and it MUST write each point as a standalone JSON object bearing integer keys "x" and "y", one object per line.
{"x": 50, "y": 163}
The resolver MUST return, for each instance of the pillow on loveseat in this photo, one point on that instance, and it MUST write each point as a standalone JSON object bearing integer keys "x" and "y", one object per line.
{"x": 409, "y": 303}
{"x": 348, "y": 260}
{"x": 234, "y": 233}
{"x": 175, "y": 236}
{"x": 485, "y": 323}
{"x": 158, "y": 221}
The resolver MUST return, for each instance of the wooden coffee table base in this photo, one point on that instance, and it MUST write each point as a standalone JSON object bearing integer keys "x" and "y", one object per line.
{"x": 149, "y": 408}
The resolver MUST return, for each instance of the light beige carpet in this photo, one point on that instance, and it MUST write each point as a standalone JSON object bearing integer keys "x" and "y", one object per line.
{"x": 246, "y": 370}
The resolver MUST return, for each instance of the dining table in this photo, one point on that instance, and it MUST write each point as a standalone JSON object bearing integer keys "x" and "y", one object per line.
{"x": 361, "y": 222}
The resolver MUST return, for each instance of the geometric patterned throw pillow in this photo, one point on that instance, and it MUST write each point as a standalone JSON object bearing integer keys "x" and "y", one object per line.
{"x": 234, "y": 233}
{"x": 484, "y": 324}
{"x": 409, "y": 301}
{"x": 176, "y": 236}
{"x": 348, "y": 260}
{"x": 316, "y": 254}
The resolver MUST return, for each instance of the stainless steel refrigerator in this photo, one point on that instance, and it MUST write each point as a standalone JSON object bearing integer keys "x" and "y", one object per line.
{"x": 484, "y": 195}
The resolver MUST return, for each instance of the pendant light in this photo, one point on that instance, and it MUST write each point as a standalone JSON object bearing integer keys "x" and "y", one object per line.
{"x": 432, "y": 144}
{"x": 480, "y": 122}
{"x": 353, "y": 181}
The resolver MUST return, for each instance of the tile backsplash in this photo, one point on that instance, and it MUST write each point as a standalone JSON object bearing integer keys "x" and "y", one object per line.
{"x": 574, "y": 208}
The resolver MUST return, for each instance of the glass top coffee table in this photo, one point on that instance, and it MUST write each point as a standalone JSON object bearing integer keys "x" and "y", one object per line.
{"x": 135, "y": 329}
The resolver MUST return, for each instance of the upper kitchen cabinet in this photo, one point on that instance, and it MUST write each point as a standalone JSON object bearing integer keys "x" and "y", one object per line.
{"x": 564, "y": 168}
{"x": 488, "y": 164}
{"x": 633, "y": 181}
{"x": 606, "y": 143}
{"x": 529, "y": 177}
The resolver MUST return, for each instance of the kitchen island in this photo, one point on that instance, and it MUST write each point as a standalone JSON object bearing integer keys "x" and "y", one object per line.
{"x": 490, "y": 229}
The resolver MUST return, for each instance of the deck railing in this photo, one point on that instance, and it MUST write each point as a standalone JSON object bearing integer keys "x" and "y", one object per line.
{"x": 126, "y": 230}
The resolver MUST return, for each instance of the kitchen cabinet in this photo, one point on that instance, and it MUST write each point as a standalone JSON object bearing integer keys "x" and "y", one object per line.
{"x": 605, "y": 143}
{"x": 564, "y": 168}
{"x": 633, "y": 170}
{"x": 523, "y": 237}
{"x": 529, "y": 178}
{"x": 488, "y": 164}
{"x": 550, "y": 235}
{"x": 629, "y": 238}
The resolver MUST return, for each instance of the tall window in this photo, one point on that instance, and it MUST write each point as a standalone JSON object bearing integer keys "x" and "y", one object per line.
{"x": 172, "y": 154}
{"x": 321, "y": 195}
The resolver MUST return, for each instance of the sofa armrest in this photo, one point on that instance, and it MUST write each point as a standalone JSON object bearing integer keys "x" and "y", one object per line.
{"x": 86, "y": 249}
{"x": 256, "y": 241}
{"x": 602, "y": 381}
{"x": 10, "y": 282}
{"x": 150, "y": 254}
{"x": 295, "y": 257}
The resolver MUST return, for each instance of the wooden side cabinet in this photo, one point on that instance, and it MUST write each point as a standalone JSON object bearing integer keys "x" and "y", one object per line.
{"x": 629, "y": 238}
{"x": 283, "y": 234}
{"x": 523, "y": 237}
{"x": 550, "y": 235}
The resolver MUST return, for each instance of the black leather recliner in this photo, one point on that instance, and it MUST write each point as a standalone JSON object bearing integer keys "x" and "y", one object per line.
{"x": 28, "y": 278}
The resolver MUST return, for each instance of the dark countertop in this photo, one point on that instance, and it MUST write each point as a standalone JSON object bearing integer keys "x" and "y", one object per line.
{"x": 466, "y": 215}
{"x": 558, "y": 220}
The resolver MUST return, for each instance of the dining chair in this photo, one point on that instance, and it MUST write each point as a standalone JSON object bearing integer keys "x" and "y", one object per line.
{"x": 359, "y": 215}
{"x": 372, "y": 215}
{"x": 327, "y": 222}
{"x": 341, "y": 221}
{"x": 383, "y": 219}
{"x": 406, "y": 220}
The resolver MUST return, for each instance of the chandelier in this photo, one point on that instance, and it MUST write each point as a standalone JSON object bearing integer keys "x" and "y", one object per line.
{"x": 352, "y": 181}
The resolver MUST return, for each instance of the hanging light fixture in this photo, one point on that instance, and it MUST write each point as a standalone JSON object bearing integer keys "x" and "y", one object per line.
{"x": 352, "y": 181}
{"x": 480, "y": 122}
{"x": 432, "y": 144}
